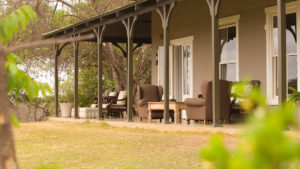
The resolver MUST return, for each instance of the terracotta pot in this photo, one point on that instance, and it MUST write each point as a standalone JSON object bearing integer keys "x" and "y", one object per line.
{"x": 66, "y": 109}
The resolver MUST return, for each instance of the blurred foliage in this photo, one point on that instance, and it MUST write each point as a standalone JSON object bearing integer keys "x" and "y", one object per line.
{"x": 9, "y": 25}
{"x": 17, "y": 78}
{"x": 294, "y": 95}
{"x": 66, "y": 91}
{"x": 44, "y": 103}
{"x": 263, "y": 145}
{"x": 51, "y": 166}
{"x": 88, "y": 83}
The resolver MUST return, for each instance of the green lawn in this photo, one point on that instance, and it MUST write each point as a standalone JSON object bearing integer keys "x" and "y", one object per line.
{"x": 97, "y": 145}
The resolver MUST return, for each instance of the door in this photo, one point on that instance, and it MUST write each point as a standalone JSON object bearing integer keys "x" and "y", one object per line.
{"x": 187, "y": 75}
{"x": 183, "y": 77}
{"x": 183, "y": 72}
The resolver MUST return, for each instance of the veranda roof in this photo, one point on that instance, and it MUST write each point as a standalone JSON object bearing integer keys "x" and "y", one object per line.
{"x": 115, "y": 30}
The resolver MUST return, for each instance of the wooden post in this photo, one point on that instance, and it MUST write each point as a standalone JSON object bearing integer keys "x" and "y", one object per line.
{"x": 282, "y": 62}
{"x": 58, "y": 51}
{"x": 129, "y": 24}
{"x": 214, "y": 7}
{"x": 165, "y": 13}
{"x": 99, "y": 33}
{"x": 76, "y": 45}
{"x": 56, "y": 79}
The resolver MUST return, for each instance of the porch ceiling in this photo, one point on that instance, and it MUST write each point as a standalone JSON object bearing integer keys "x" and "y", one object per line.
{"x": 115, "y": 30}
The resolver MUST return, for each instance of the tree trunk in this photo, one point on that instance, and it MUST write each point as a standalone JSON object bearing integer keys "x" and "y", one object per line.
{"x": 7, "y": 150}
{"x": 116, "y": 78}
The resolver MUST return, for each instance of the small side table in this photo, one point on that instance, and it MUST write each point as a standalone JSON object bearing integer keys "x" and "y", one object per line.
{"x": 175, "y": 106}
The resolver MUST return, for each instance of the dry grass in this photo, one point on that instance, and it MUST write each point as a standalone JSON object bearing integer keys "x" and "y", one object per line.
{"x": 93, "y": 145}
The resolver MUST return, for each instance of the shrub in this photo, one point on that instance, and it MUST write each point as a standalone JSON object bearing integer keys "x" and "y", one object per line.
{"x": 263, "y": 144}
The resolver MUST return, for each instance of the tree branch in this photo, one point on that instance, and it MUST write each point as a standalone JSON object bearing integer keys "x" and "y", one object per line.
{"x": 42, "y": 43}
{"x": 67, "y": 4}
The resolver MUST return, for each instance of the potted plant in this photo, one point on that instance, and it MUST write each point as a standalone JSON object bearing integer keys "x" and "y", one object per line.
{"x": 295, "y": 97}
{"x": 66, "y": 99}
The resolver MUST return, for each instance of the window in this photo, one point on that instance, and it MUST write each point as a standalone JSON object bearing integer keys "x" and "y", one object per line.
{"x": 291, "y": 48}
{"x": 183, "y": 67}
{"x": 272, "y": 50}
{"x": 187, "y": 69}
{"x": 229, "y": 61}
{"x": 228, "y": 64}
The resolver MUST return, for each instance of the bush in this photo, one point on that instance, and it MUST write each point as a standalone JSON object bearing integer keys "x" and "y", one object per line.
{"x": 263, "y": 144}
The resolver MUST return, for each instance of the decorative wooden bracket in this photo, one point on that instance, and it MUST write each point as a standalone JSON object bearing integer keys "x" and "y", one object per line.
{"x": 75, "y": 43}
{"x": 99, "y": 31}
{"x": 165, "y": 12}
{"x": 214, "y": 7}
{"x": 129, "y": 24}
{"x": 124, "y": 50}
{"x": 59, "y": 49}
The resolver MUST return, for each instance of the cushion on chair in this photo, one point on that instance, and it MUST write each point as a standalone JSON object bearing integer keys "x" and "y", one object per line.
{"x": 86, "y": 112}
{"x": 117, "y": 106}
{"x": 104, "y": 106}
{"x": 150, "y": 92}
{"x": 121, "y": 98}
{"x": 94, "y": 105}
{"x": 194, "y": 102}
{"x": 112, "y": 94}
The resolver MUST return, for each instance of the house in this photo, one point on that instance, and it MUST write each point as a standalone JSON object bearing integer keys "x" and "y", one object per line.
{"x": 186, "y": 37}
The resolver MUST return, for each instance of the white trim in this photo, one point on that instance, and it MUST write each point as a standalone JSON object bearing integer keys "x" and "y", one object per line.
{"x": 171, "y": 72}
{"x": 189, "y": 40}
{"x": 291, "y": 7}
{"x": 181, "y": 41}
{"x": 226, "y": 23}
{"x": 229, "y": 21}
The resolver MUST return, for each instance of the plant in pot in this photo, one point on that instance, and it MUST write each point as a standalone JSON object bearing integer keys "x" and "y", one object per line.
{"x": 295, "y": 97}
{"x": 66, "y": 99}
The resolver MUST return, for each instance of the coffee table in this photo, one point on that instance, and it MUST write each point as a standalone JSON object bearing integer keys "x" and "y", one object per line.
{"x": 175, "y": 106}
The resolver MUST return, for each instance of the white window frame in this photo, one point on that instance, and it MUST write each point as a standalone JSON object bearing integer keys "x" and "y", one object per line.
{"x": 189, "y": 40}
{"x": 291, "y": 7}
{"x": 227, "y": 22}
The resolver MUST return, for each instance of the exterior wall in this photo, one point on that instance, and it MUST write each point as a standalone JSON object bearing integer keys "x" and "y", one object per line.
{"x": 191, "y": 18}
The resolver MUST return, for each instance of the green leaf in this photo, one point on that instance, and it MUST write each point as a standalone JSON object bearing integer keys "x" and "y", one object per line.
{"x": 9, "y": 25}
{"x": 21, "y": 19}
{"x": 14, "y": 23}
{"x": 31, "y": 88}
{"x": 14, "y": 121}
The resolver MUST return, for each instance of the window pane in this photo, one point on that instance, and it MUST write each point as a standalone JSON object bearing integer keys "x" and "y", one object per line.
{"x": 228, "y": 44}
{"x": 187, "y": 70}
{"x": 291, "y": 45}
{"x": 228, "y": 72}
{"x": 275, "y": 75}
{"x": 291, "y": 34}
{"x": 292, "y": 72}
